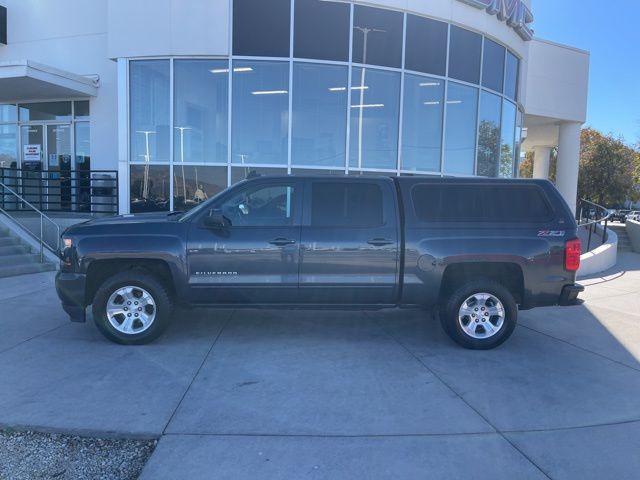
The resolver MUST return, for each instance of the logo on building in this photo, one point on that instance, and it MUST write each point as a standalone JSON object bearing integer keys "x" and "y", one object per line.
{"x": 514, "y": 12}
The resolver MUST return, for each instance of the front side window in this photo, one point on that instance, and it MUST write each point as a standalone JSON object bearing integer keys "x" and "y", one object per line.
{"x": 261, "y": 206}
{"x": 342, "y": 204}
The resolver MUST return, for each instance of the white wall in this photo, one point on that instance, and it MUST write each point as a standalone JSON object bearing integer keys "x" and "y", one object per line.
{"x": 70, "y": 35}
{"x": 557, "y": 81}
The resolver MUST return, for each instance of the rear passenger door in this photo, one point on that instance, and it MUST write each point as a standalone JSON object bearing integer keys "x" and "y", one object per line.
{"x": 349, "y": 246}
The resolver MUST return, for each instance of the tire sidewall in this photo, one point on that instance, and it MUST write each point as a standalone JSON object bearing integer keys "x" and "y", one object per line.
{"x": 135, "y": 279}
{"x": 449, "y": 315}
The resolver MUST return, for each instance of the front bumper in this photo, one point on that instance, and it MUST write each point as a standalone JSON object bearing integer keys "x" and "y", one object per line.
{"x": 569, "y": 295}
{"x": 71, "y": 290}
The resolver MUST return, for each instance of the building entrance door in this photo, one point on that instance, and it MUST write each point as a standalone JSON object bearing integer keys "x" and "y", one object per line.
{"x": 46, "y": 163}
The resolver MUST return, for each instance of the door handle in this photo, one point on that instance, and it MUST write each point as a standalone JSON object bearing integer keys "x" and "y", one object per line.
{"x": 380, "y": 242}
{"x": 281, "y": 242}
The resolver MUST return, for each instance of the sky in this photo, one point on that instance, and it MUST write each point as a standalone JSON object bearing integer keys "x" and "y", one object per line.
{"x": 609, "y": 30}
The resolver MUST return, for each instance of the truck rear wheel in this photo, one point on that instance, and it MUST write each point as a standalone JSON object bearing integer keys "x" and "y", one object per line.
{"x": 479, "y": 315}
{"x": 132, "y": 308}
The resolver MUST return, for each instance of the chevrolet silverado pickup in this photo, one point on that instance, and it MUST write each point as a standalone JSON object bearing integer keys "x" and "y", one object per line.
{"x": 474, "y": 251}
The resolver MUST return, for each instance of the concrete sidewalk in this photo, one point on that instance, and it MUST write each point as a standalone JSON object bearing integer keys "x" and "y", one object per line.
{"x": 303, "y": 394}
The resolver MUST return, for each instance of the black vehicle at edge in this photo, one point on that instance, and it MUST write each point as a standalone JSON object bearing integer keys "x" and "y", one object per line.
{"x": 477, "y": 249}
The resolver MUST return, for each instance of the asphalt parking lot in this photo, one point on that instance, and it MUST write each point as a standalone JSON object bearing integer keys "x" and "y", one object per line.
{"x": 308, "y": 394}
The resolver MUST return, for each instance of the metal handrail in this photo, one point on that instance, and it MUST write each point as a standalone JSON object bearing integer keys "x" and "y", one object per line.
{"x": 43, "y": 217}
{"x": 592, "y": 223}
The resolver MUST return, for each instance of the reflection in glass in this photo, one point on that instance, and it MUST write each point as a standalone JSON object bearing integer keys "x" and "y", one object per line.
{"x": 511, "y": 76}
{"x": 313, "y": 171}
{"x": 422, "y": 123}
{"x": 426, "y": 46}
{"x": 321, "y": 30}
{"x": 260, "y": 120}
{"x": 489, "y": 139}
{"x": 319, "y": 115}
{"x": 149, "y": 188}
{"x": 83, "y": 165}
{"x": 465, "y": 50}
{"x": 81, "y": 109}
{"x": 377, "y": 36}
{"x": 374, "y": 118}
{"x": 45, "y": 111}
{"x": 8, "y": 146}
{"x": 200, "y": 115}
{"x": 508, "y": 149}
{"x": 8, "y": 113}
{"x": 493, "y": 65}
{"x": 261, "y": 28}
{"x": 149, "y": 105}
{"x": 460, "y": 136}
{"x": 244, "y": 173}
{"x": 195, "y": 184}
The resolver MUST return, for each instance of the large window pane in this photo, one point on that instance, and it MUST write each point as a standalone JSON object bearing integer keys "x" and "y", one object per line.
{"x": 321, "y": 30}
{"x": 377, "y": 37}
{"x": 8, "y": 146}
{"x": 149, "y": 99}
{"x": 426, "y": 47}
{"x": 149, "y": 188}
{"x": 260, "y": 112}
{"x": 493, "y": 65}
{"x": 464, "y": 55}
{"x": 195, "y": 184}
{"x": 374, "y": 118}
{"x": 243, "y": 173}
{"x": 200, "y": 115}
{"x": 319, "y": 115}
{"x": 460, "y": 136}
{"x": 81, "y": 110}
{"x": 422, "y": 123}
{"x": 508, "y": 149}
{"x": 314, "y": 172}
{"x": 261, "y": 28}
{"x": 45, "y": 111}
{"x": 8, "y": 113}
{"x": 511, "y": 76}
{"x": 489, "y": 139}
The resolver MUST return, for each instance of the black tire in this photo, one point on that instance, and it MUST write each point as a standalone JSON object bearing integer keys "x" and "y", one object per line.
{"x": 450, "y": 308}
{"x": 136, "y": 278}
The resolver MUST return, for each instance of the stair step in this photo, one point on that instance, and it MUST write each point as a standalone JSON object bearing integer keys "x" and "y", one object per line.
{"x": 14, "y": 270}
{"x": 13, "y": 249}
{"x": 8, "y": 241}
{"x": 20, "y": 259}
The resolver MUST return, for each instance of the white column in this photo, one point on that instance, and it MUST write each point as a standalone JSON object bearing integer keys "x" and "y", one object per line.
{"x": 123, "y": 137}
{"x": 541, "y": 159}
{"x": 568, "y": 162}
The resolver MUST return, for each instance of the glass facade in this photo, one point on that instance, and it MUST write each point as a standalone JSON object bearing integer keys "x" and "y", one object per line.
{"x": 326, "y": 87}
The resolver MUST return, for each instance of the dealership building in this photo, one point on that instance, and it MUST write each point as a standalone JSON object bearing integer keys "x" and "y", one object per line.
{"x": 178, "y": 99}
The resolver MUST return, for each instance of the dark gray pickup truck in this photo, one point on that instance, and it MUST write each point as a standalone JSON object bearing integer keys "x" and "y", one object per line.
{"x": 477, "y": 249}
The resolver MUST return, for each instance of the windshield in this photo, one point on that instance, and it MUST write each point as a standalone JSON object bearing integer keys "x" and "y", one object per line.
{"x": 203, "y": 206}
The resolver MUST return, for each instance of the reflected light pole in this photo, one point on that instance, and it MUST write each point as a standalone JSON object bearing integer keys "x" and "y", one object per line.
{"x": 365, "y": 32}
{"x": 147, "y": 159}
{"x": 184, "y": 183}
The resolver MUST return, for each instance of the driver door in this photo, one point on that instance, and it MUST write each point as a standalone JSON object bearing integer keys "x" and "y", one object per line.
{"x": 255, "y": 258}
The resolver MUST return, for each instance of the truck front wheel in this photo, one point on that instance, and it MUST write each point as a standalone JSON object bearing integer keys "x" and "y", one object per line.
{"x": 479, "y": 315}
{"x": 132, "y": 308}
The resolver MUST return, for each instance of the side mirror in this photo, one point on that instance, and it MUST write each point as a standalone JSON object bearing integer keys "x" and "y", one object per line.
{"x": 216, "y": 221}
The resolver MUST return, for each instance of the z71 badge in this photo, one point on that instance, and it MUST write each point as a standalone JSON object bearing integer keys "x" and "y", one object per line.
{"x": 551, "y": 233}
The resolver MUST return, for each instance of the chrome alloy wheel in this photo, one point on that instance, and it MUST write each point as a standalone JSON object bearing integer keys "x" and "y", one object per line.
{"x": 481, "y": 315}
{"x": 131, "y": 310}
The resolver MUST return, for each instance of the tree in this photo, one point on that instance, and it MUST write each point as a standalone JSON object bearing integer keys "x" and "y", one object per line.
{"x": 607, "y": 166}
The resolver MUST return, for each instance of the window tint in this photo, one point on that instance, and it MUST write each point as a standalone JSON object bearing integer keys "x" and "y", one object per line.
{"x": 261, "y": 28}
{"x": 511, "y": 77}
{"x": 426, "y": 47}
{"x": 479, "y": 203}
{"x": 493, "y": 65}
{"x": 45, "y": 111}
{"x": 464, "y": 55}
{"x": 321, "y": 30}
{"x": 377, "y": 37}
{"x": 346, "y": 204}
{"x": 261, "y": 206}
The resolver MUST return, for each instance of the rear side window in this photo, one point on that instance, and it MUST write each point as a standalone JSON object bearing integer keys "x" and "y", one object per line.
{"x": 346, "y": 204}
{"x": 480, "y": 203}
